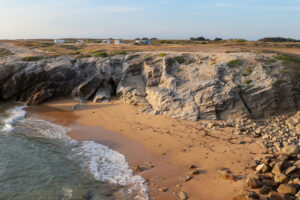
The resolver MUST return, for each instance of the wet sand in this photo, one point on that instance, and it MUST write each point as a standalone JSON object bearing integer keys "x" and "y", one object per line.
{"x": 170, "y": 145}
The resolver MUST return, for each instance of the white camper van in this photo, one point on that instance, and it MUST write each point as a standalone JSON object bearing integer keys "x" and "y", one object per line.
{"x": 119, "y": 42}
{"x": 59, "y": 41}
{"x": 80, "y": 42}
{"x": 105, "y": 42}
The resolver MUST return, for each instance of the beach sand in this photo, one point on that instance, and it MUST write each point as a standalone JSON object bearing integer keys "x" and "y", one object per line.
{"x": 170, "y": 145}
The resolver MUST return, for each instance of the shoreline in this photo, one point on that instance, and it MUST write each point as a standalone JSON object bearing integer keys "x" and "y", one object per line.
{"x": 170, "y": 145}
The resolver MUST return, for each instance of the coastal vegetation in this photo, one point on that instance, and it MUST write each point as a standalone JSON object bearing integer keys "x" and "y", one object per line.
{"x": 32, "y": 58}
{"x": 287, "y": 58}
{"x": 101, "y": 54}
{"x": 161, "y": 54}
{"x": 277, "y": 39}
{"x": 5, "y": 52}
{"x": 235, "y": 63}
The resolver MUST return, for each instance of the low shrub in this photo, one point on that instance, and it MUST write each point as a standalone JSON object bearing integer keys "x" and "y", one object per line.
{"x": 86, "y": 56}
{"x": 118, "y": 53}
{"x": 179, "y": 59}
{"x": 101, "y": 54}
{"x": 170, "y": 61}
{"x": 32, "y": 58}
{"x": 235, "y": 63}
{"x": 277, "y": 39}
{"x": 240, "y": 40}
{"x": 286, "y": 58}
{"x": 248, "y": 81}
{"x": 74, "y": 53}
{"x": 162, "y": 54}
{"x": 271, "y": 60}
{"x": 73, "y": 61}
{"x": 5, "y": 52}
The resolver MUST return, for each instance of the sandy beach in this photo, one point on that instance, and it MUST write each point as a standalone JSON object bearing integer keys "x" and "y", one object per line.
{"x": 162, "y": 147}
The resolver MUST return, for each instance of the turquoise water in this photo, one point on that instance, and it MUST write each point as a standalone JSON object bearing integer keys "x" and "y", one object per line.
{"x": 38, "y": 161}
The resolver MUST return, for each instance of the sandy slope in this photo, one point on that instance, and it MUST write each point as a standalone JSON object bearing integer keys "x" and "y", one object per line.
{"x": 170, "y": 145}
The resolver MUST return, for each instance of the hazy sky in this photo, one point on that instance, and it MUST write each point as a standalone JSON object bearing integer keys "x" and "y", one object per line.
{"x": 175, "y": 19}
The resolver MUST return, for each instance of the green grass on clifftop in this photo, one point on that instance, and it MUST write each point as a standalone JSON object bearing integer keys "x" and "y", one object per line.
{"x": 101, "y": 54}
{"x": 235, "y": 63}
{"x": 287, "y": 58}
{"x": 118, "y": 53}
{"x": 5, "y": 52}
{"x": 32, "y": 58}
{"x": 162, "y": 54}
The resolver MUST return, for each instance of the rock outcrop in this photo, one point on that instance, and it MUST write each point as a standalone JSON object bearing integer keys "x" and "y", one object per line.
{"x": 279, "y": 180}
{"x": 189, "y": 86}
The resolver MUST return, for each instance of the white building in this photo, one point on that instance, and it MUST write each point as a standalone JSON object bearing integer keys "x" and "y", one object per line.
{"x": 59, "y": 41}
{"x": 119, "y": 42}
{"x": 105, "y": 42}
{"x": 80, "y": 42}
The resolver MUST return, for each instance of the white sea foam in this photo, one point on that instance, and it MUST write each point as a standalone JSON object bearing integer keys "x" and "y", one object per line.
{"x": 103, "y": 163}
{"x": 110, "y": 166}
{"x": 14, "y": 115}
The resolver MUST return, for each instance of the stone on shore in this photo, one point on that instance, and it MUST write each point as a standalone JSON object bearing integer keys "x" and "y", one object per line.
{"x": 287, "y": 189}
{"x": 253, "y": 182}
{"x": 290, "y": 150}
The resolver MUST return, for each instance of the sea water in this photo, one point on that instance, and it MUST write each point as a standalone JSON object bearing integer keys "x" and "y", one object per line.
{"x": 38, "y": 161}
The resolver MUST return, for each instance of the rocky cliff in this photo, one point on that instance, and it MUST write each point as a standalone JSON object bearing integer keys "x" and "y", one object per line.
{"x": 190, "y": 86}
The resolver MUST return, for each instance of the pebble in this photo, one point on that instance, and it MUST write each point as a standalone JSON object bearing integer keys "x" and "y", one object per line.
{"x": 262, "y": 168}
{"x": 163, "y": 189}
{"x": 182, "y": 195}
{"x": 187, "y": 178}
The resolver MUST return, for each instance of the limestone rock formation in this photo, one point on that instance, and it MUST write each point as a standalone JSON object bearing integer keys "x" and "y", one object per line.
{"x": 189, "y": 86}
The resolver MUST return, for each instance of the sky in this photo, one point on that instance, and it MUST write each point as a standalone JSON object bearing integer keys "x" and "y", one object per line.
{"x": 164, "y": 19}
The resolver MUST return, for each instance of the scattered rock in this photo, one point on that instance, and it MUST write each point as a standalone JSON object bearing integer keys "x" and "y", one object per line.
{"x": 224, "y": 171}
{"x": 290, "y": 150}
{"x": 192, "y": 166}
{"x": 281, "y": 178}
{"x": 277, "y": 168}
{"x": 262, "y": 168}
{"x": 290, "y": 169}
{"x": 287, "y": 189}
{"x": 253, "y": 182}
{"x": 163, "y": 189}
{"x": 187, "y": 178}
{"x": 265, "y": 190}
{"x": 226, "y": 177}
{"x": 246, "y": 195}
{"x": 270, "y": 183}
{"x": 182, "y": 195}
{"x": 194, "y": 172}
{"x": 137, "y": 168}
{"x": 275, "y": 196}
{"x": 149, "y": 165}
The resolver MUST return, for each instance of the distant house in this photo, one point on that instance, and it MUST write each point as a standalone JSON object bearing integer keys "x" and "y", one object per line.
{"x": 80, "y": 42}
{"x": 147, "y": 42}
{"x": 119, "y": 42}
{"x": 59, "y": 41}
{"x": 105, "y": 42}
{"x": 138, "y": 42}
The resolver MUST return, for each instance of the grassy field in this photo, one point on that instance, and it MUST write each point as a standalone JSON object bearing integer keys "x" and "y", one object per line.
{"x": 95, "y": 48}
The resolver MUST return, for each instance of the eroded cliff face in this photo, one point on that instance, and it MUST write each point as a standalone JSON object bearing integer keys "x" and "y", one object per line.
{"x": 190, "y": 86}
